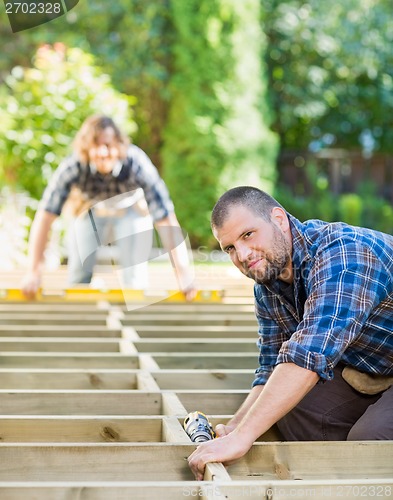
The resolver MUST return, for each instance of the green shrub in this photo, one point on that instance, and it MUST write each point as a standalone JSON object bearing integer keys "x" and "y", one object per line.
{"x": 364, "y": 208}
{"x": 44, "y": 106}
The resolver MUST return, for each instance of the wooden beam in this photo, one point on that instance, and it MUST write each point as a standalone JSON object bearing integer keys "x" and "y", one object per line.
{"x": 124, "y": 490}
{"x": 316, "y": 460}
{"x": 164, "y": 331}
{"x": 78, "y": 331}
{"x": 80, "y": 403}
{"x": 146, "y": 382}
{"x": 326, "y": 489}
{"x": 173, "y": 431}
{"x": 59, "y": 344}
{"x": 203, "y": 379}
{"x": 146, "y": 362}
{"x": 54, "y": 319}
{"x": 179, "y": 490}
{"x": 206, "y": 360}
{"x": 189, "y": 345}
{"x": 33, "y": 378}
{"x": 186, "y": 307}
{"x": 196, "y": 319}
{"x": 212, "y": 402}
{"x": 172, "y": 406}
{"x": 67, "y": 360}
{"x": 133, "y": 462}
{"x": 95, "y": 462}
{"x": 216, "y": 472}
{"x": 81, "y": 429}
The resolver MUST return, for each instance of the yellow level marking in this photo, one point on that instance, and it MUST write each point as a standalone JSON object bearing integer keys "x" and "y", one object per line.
{"x": 111, "y": 295}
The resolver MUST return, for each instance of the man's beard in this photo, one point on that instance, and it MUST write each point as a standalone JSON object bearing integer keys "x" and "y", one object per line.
{"x": 274, "y": 263}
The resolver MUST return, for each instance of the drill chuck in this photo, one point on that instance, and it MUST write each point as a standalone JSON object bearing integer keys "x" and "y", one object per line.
{"x": 198, "y": 427}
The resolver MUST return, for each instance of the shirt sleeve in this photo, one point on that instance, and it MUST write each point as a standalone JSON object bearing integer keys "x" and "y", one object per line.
{"x": 155, "y": 190}
{"x": 269, "y": 342}
{"x": 58, "y": 189}
{"x": 347, "y": 282}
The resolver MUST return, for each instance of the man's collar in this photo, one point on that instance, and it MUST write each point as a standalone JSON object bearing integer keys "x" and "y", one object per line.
{"x": 115, "y": 171}
{"x": 300, "y": 251}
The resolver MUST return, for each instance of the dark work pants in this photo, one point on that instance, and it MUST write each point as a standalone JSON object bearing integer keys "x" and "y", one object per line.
{"x": 334, "y": 411}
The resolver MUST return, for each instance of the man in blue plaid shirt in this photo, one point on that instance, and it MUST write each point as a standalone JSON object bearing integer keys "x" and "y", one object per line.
{"x": 109, "y": 185}
{"x": 324, "y": 303}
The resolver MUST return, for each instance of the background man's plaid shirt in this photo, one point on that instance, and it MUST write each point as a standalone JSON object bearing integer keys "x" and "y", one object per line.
{"x": 136, "y": 171}
{"x": 345, "y": 275}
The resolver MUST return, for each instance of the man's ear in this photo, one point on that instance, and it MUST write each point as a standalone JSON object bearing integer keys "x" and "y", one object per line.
{"x": 280, "y": 218}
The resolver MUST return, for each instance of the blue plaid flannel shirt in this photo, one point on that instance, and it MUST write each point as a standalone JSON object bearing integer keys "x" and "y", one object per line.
{"x": 136, "y": 171}
{"x": 343, "y": 310}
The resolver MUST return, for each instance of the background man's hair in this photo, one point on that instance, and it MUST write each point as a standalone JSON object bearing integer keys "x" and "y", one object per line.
{"x": 256, "y": 200}
{"x": 86, "y": 137}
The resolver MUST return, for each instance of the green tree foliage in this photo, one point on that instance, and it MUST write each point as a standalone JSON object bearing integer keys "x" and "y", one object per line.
{"x": 130, "y": 40}
{"x": 43, "y": 107}
{"x": 331, "y": 72}
{"x": 364, "y": 208}
{"x": 215, "y": 136}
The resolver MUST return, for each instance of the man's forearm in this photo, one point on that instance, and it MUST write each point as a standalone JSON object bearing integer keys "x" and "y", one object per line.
{"x": 38, "y": 239}
{"x": 246, "y": 406}
{"x": 285, "y": 388}
{"x": 174, "y": 243}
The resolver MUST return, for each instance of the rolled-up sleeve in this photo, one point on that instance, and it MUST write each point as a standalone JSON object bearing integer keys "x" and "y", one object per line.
{"x": 58, "y": 189}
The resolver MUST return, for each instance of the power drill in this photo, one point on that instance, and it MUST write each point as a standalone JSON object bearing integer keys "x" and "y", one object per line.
{"x": 198, "y": 428}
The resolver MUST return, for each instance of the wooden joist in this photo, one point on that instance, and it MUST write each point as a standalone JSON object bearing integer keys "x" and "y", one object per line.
{"x": 167, "y": 461}
{"x": 68, "y": 378}
{"x": 67, "y": 360}
{"x": 82, "y": 402}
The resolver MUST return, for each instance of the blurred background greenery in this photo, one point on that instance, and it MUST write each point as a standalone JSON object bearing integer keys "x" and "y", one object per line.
{"x": 295, "y": 97}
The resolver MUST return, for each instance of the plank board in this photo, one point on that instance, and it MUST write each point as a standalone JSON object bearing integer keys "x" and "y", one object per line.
{"x": 179, "y": 490}
{"x": 61, "y": 344}
{"x": 95, "y": 462}
{"x": 54, "y": 319}
{"x": 197, "y": 319}
{"x": 204, "y": 379}
{"x": 206, "y": 360}
{"x": 71, "y": 490}
{"x": 83, "y": 402}
{"x": 191, "y": 345}
{"x": 67, "y": 360}
{"x": 175, "y": 331}
{"x": 67, "y": 378}
{"x": 81, "y": 429}
{"x": 212, "y": 402}
{"x": 316, "y": 460}
{"x": 58, "y": 331}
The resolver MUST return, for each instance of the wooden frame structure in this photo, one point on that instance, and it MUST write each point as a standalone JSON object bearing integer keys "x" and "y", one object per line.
{"x": 92, "y": 399}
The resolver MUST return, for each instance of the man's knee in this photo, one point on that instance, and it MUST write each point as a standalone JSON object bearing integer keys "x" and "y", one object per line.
{"x": 376, "y": 423}
{"x": 367, "y": 430}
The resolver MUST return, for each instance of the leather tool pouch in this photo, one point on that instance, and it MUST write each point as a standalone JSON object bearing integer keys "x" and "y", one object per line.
{"x": 366, "y": 383}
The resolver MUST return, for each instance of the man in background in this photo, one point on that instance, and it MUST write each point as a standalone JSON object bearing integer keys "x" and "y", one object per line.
{"x": 109, "y": 184}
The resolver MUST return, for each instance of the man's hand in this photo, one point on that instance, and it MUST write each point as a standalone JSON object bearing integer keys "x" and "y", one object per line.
{"x": 31, "y": 284}
{"x": 222, "y": 449}
{"x": 223, "y": 430}
{"x": 190, "y": 293}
